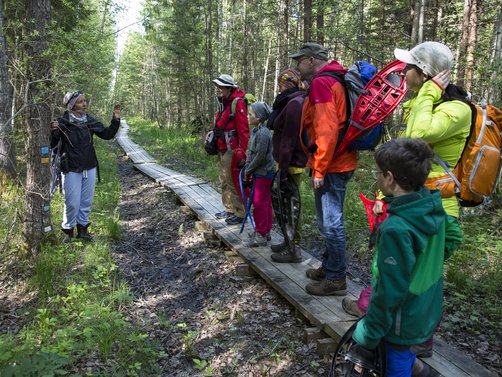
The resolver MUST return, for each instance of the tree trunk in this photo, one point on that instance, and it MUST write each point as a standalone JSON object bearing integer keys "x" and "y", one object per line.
{"x": 471, "y": 44}
{"x": 420, "y": 32}
{"x": 307, "y": 23}
{"x": 495, "y": 87}
{"x": 415, "y": 16}
{"x": 37, "y": 219}
{"x": 245, "y": 50}
{"x": 7, "y": 151}
{"x": 461, "y": 53}
{"x": 320, "y": 21}
{"x": 209, "y": 69}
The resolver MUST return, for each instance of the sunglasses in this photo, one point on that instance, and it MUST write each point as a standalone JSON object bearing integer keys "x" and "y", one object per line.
{"x": 409, "y": 67}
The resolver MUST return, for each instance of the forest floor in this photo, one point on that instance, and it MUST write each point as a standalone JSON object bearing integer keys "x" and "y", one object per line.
{"x": 190, "y": 298}
{"x": 199, "y": 308}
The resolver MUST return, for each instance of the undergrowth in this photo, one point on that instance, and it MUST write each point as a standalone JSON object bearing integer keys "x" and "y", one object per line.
{"x": 75, "y": 325}
{"x": 473, "y": 275}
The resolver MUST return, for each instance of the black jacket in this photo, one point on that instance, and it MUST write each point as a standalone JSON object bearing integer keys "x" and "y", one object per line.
{"x": 77, "y": 148}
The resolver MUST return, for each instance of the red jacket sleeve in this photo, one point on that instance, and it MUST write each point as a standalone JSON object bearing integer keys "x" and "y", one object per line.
{"x": 328, "y": 106}
{"x": 241, "y": 124}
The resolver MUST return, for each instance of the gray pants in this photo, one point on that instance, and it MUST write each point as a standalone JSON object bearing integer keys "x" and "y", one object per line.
{"x": 78, "y": 190}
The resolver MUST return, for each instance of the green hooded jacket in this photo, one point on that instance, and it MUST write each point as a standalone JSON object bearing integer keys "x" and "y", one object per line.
{"x": 407, "y": 286}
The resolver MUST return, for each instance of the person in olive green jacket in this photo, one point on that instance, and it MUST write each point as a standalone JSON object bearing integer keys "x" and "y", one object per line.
{"x": 407, "y": 278}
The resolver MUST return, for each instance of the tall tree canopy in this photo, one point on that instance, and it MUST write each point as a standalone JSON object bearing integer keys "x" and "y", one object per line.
{"x": 188, "y": 42}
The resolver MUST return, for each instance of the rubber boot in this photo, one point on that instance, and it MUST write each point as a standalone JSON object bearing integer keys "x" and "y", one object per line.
{"x": 83, "y": 233}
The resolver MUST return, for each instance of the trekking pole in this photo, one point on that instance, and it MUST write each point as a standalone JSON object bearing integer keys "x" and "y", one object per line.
{"x": 247, "y": 203}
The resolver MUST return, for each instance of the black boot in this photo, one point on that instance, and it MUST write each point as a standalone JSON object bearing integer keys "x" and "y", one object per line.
{"x": 68, "y": 232}
{"x": 277, "y": 248}
{"x": 83, "y": 233}
{"x": 289, "y": 256}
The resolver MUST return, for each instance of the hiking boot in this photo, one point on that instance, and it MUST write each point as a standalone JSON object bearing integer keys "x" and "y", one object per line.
{"x": 350, "y": 306}
{"x": 223, "y": 215}
{"x": 278, "y": 247}
{"x": 234, "y": 220}
{"x": 288, "y": 256}
{"x": 421, "y": 369}
{"x": 327, "y": 287}
{"x": 422, "y": 350}
{"x": 83, "y": 233}
{"x": 68, "y": 232}
{"x": 257, "y": 240}
{"x": 316, "y": 273}
{"x": 268, "y": 236}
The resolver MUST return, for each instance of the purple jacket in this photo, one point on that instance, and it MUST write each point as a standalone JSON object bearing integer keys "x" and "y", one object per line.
{"x": 286, "y": 138}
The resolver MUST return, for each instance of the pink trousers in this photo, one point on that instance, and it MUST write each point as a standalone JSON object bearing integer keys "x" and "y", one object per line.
{"x": 262, "y": 205}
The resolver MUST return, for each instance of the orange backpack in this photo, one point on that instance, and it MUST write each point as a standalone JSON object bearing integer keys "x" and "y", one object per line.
{"x": 477, "y": 173}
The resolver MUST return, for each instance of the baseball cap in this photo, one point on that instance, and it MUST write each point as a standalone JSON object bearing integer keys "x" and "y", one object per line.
{"x": 311, "y": 49}
{"x": 430, "y": 57}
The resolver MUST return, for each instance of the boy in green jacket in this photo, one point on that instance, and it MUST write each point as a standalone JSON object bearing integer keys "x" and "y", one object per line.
{"x": 407, "y": 287}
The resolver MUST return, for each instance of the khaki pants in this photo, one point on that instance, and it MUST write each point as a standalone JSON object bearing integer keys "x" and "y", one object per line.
{"x": 229, "y": 196}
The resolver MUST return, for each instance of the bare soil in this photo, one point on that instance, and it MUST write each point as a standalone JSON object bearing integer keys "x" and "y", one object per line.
{"x": 192, "y": 300}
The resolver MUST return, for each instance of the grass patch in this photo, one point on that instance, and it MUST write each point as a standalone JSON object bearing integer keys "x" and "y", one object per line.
{"x": 77, "y": 316}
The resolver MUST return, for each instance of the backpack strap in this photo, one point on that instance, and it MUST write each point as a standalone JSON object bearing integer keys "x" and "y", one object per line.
{"x": 446, "y": 168}
{"x": 233, "y": 107}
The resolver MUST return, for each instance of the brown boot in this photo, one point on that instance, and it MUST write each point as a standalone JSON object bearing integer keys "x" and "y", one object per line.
{"x": 316, "y": 273}
{"x": 83, "y": 233}
{"x": 288, "y": 256}
{"x": 327, "y": 288}
{"x": 279, "y": 247}
{"x": 350, "y": 306}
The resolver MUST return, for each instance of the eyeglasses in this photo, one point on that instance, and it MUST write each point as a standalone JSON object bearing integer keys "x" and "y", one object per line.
{"x": 375, "y": 173}
{"x": 410, "y": 67}
{"x": 299, "y": 61}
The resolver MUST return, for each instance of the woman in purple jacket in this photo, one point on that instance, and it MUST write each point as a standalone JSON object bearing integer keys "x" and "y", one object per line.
{"x": 285, "y": 121}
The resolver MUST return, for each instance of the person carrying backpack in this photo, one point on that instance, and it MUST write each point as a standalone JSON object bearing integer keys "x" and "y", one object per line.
{"x": 324, "y": 115}
{"x": 439, "y": 114}
{"x": 287, "y": 151}
{"x": 79, "y": 164}
{"x": 232, "y": 132}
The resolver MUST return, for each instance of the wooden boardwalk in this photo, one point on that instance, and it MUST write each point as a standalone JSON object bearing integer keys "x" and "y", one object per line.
{"x": 289, "y": 280}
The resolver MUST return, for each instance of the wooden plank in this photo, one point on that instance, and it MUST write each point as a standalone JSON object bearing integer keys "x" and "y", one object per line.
{"x": 288, "y": 279}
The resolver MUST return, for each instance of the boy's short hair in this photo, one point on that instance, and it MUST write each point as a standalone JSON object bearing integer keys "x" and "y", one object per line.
{"x": 409, "y": 161}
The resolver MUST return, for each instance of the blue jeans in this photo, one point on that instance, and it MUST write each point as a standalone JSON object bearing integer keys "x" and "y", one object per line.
{"x": 329, "y": 208}
{"x": 78, "y": 189}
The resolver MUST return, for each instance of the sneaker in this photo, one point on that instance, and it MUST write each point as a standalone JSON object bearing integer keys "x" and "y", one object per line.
{"x": 288, "y": 256}
{"x": 316, "y": 273}
{"x": 327, "y": 287}
{"x": 279, "y": 247}
{"x": 350, "y": 306}
{"x": 234, "y": 220}
{"x": 257, "y": 240}
{"x": 223, "y": 215}
{"x": 422, "y": 350}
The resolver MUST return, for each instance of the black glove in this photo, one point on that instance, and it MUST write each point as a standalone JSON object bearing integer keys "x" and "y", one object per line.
{"x": 218, "y": 132}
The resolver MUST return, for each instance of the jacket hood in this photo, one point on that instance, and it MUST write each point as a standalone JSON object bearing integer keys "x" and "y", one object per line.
{"x": 296, "y": 94}
{"x": 423, "y": 209}
{"x": 333, "y": 66}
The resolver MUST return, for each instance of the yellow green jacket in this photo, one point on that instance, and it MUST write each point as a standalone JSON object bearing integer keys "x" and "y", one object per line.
{"x": 444, "y": 125}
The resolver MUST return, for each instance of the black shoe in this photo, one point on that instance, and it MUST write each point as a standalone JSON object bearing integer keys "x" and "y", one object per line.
{"x": 223, "y": 215}
{"x": 288, "y": 256}
{"x": 68, "y": 232}
{"x": 277, "y": 248}
{"x": 234, "y": 220}
{"x": 83, "y": 233}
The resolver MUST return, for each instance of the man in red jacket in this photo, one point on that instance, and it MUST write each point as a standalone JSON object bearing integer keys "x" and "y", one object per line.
{"x": 324, "y": 115}
{"x": 232, "y": 133}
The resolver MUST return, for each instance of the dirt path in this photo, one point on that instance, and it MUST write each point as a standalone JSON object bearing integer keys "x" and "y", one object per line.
{"x": 191, "y": 300}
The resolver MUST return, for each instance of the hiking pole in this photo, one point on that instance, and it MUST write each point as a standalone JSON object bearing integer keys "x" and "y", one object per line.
{"x": 247, "y": 203}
